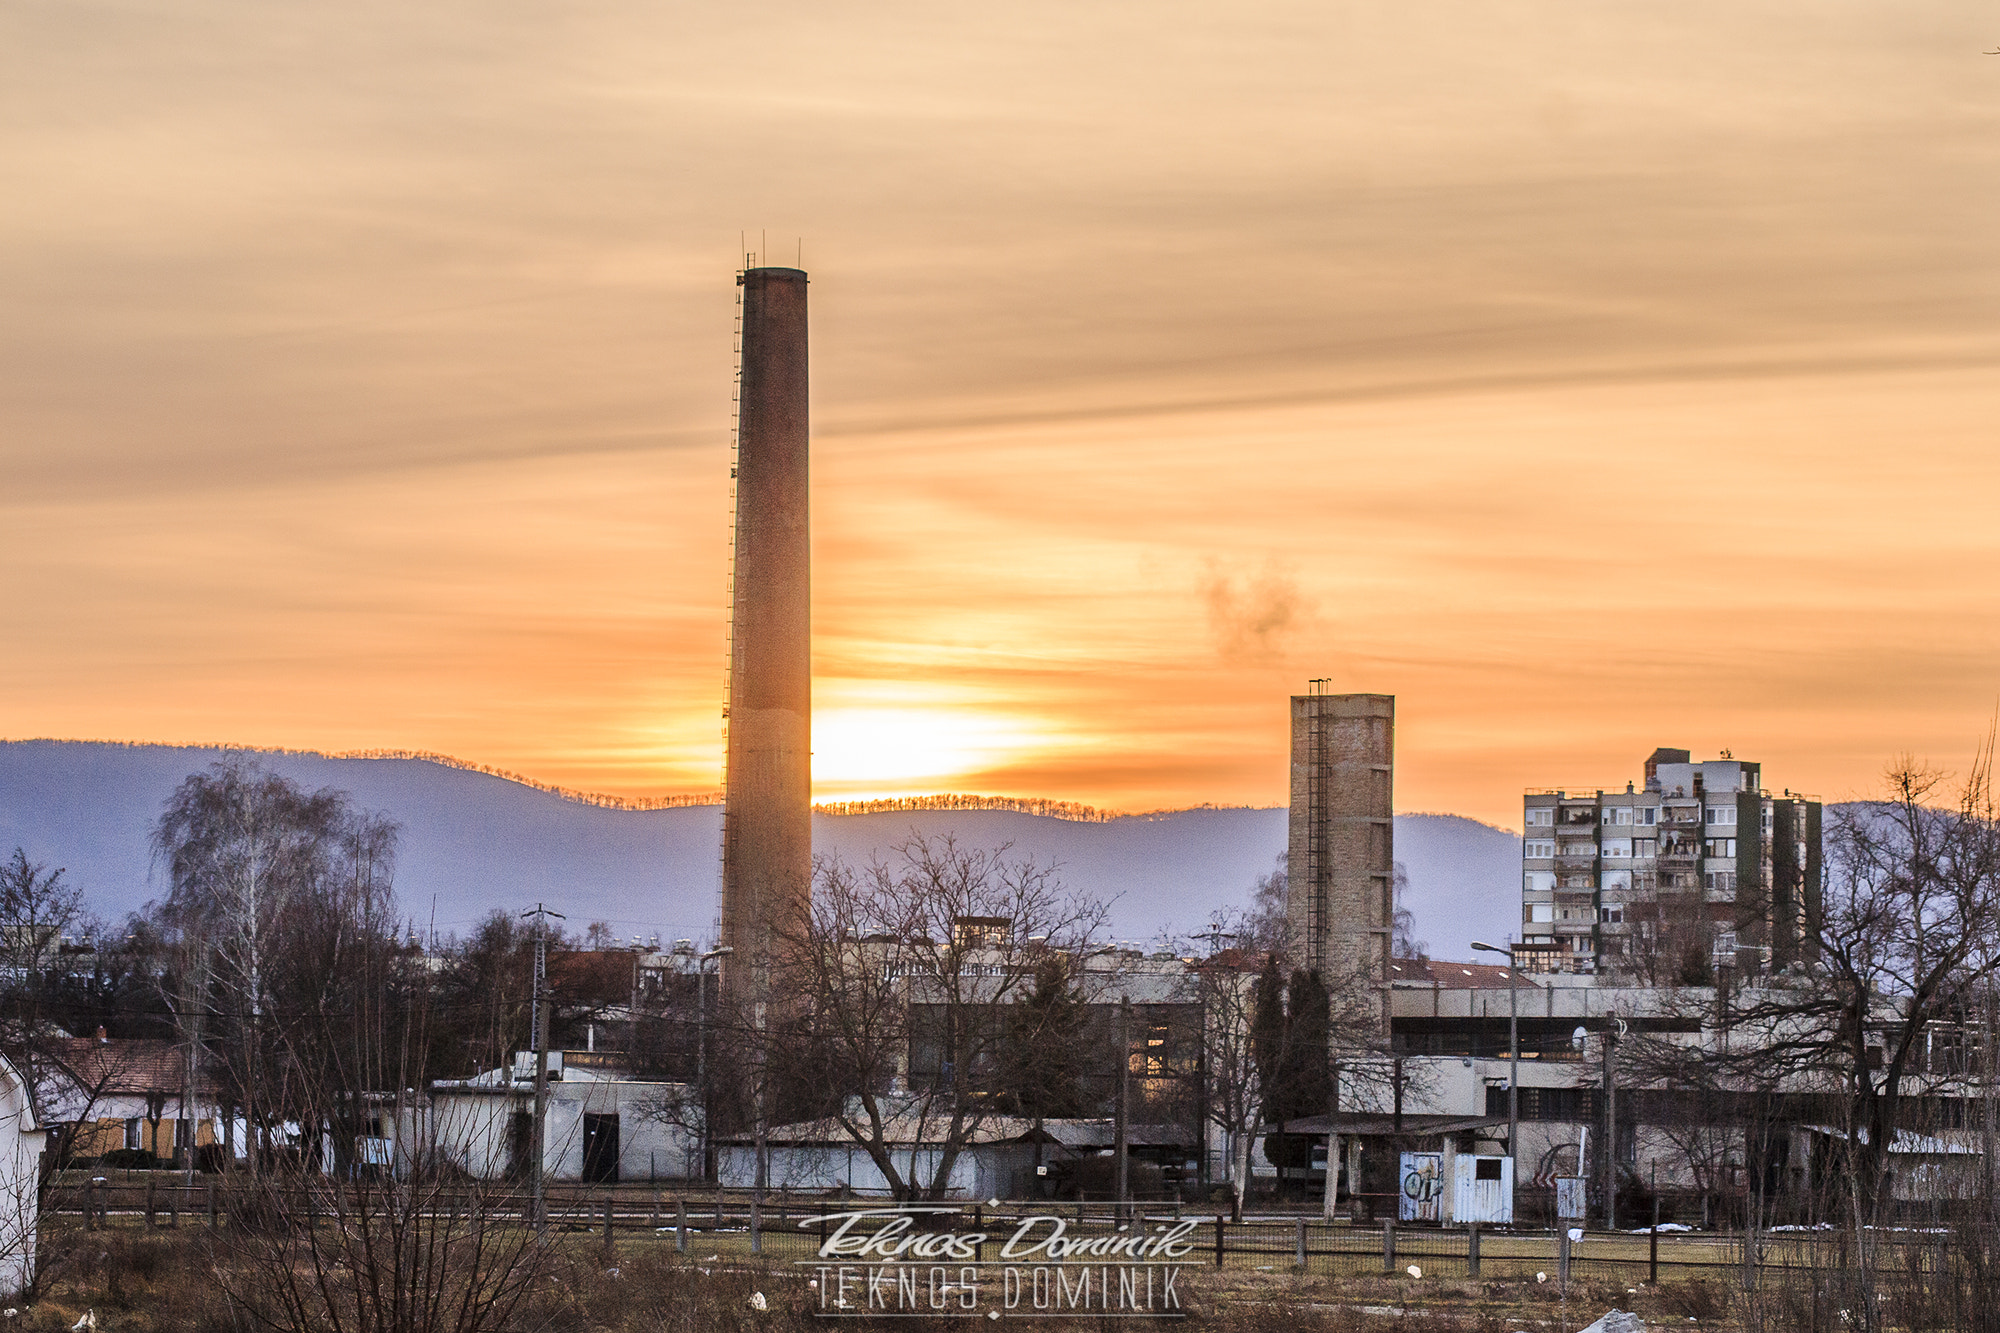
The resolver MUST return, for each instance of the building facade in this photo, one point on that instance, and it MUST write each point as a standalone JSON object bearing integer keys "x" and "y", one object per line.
{"x": 1699, "y": 868}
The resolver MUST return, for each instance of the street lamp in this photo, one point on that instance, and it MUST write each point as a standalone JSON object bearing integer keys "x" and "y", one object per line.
{"x": 1513, "y": 1053}
{"x": 701, "y": 1049}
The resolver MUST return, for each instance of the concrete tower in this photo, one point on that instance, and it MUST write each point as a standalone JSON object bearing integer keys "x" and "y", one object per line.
{"x": 767, "y": 811}
{"x": 1341, "y": 850}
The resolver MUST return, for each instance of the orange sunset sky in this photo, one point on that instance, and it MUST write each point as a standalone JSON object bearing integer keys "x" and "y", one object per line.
{"x": 1589, "y": 376}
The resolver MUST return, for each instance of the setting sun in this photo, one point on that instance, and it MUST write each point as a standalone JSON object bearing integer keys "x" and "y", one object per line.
{"x": 866, "y": 751}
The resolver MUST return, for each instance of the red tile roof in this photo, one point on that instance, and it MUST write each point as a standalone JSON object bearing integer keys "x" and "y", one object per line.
{"x": 125, "y": 1065}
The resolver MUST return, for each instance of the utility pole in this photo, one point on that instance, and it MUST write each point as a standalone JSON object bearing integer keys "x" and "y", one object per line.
{"x": 701, "y": 1054}
{"x": 194, "y": 996}
{"x": 1612, "y": 1033}
{"x": 1124, "y": 1101}
{"x": 539, "y": 1022}
{"x": 1513, "y": 1052}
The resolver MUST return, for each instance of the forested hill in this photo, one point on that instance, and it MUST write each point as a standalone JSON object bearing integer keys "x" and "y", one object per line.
{"x": 473, "y": 841}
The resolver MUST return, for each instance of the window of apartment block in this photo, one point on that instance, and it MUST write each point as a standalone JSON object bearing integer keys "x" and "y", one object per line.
{"x": 1580, "y": 944}
{"x": 1645, "y": 846}
{"x": 1721, "y": 814}
{"x": 1721, "y": 847}
{"x": 1541, "y": 817}
{"x": 1722, "y": 881}
{"x": 1534, "y": 850}
{"x": 1541, "y": 912}
{"x": 134, "y": 1129}
{"x": 1617, "y": 881}
{"x": 1624, "y": 813}
{"x": 1538, "y": 881}
{"x": 1618, "y": 849}
{"x": 1614, "y": 915}
{"x": 1649, "y": 815}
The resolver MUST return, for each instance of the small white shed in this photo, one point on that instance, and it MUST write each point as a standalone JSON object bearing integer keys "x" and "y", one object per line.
{"x": 1482, "y": 1189}
{"x": 20, "y": 1177}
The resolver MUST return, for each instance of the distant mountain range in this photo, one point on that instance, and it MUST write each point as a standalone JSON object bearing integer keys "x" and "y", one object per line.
{"x": 474, "y": 841}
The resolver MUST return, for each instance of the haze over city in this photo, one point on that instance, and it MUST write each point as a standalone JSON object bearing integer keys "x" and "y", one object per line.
{"x": 1591, "y": 379}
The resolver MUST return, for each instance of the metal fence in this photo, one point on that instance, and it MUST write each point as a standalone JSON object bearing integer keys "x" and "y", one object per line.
{"x": 787, "y": 1228}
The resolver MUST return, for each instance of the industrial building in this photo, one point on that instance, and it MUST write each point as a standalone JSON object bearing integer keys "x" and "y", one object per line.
{"x": 1700, "y": 868}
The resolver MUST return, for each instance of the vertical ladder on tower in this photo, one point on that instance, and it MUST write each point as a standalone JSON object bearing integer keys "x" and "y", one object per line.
{"x": 729, "y": 582}
{"x": 1319, "y": 827}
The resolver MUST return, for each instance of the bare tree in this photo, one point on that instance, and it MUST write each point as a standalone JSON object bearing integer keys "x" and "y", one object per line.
{"x": 1225, "y": 989}
{"x": 278, "y": 887}
{"x": 1404, "y": 941}
{"x": 38, "y": 910}
{"x": 1900, "y": 945}
{"x": 1265, "y": 928}
{"x": 901, "y": 985}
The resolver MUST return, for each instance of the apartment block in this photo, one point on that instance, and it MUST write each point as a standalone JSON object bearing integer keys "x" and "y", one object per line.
{"x": 1699, "y": 869}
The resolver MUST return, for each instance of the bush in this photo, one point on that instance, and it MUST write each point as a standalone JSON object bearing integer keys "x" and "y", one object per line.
{"x": 1698, "y": 1298}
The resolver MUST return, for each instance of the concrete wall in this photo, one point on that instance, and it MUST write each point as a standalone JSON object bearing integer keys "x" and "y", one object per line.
{"x": 986, "y": 1171}
{"x": 474, "y": 1131}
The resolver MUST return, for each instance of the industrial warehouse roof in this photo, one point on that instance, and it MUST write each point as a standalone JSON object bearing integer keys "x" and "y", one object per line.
{"x": 1454, "y": 976}
{"x": 1949, "y": 1143}
{"x": 1369, "y": 1125}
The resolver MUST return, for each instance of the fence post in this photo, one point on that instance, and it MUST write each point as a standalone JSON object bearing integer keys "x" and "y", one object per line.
{"x": 174, "y": 1211}
{"x": 1388, "y": 1246}
{"x": 211, "y": 1205}
{"x": 1218, "y": 1239}
{"x": 681, "y": 1225}
{"x": 609, "y": 1251}
{"x": 1562, "y": 1257}
{"x": 1299, "y": 1245}
{"x": 656, "y": 1210}
{"x": 90, "y": 1203}
{"x": 1472, "y": 1250}
{"x": 756, "y": 1222}
{"x": 1653, "y": 1246}
{"x": 152, "y": 1204}
{"x": 979, "y": 1228}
